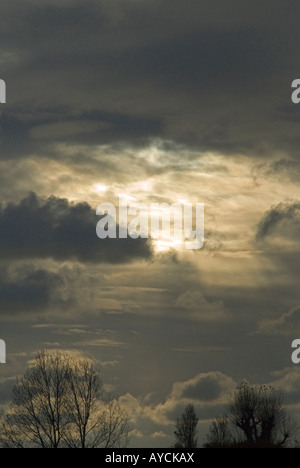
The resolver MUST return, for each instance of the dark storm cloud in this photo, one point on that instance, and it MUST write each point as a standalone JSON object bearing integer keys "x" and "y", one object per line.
{"x": 288, "y": 167}
{"x": 55, "y": 228}
{"x": 206, "y": 389}
{"x": 210, "y": 75}
{"x": 282, "y": 169}
{"x": 28, "y": 290}
{"x": 21, "y": 135}
{"x": 282, "y": 219}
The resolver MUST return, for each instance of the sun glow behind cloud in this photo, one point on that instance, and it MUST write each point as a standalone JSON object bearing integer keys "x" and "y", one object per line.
{"x": 100, "y": 188}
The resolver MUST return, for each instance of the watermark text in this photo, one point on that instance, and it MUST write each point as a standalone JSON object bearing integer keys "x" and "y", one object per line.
{"x": 178, "y": 223}
{"x": 2, "y": 352}
{"x": 2, "y": 92}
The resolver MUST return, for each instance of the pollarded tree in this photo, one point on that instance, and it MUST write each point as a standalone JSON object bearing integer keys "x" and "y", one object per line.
{"x": 259, "y": 414}
{"x": 186, "y": 429}
{"x": 254, "y": 417}
{"x": 60, "y": 402}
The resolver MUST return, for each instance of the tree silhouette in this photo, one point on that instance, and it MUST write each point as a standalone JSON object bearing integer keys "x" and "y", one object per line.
{"x": 220, "y": 434}
{"x": 60, "y": 402}
{"x": 186, "y": 429}
{"x": 254, "y": 417}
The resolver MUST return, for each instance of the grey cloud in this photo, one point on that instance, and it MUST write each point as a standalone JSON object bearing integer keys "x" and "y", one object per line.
{"x": 288, "y": 380}
{"x": 198, "y": 306}
{"x": 282, "y": 219}
{"x": 210, "y": 386}
{"x": 28, "y": 289}
{"x": 205, "y": 389}
{"x": 286, "y": 166}
{"x": 147, "y": 419}
{"x": 206, "y": 75}
{"x": 282, "y": 169}
{"x": 55, "y": 228}
{"x": 286, "y": 324}
{"x": 161, "y": 416}
{"x": 277, "y": 237}
{"x": 23, "y": 134}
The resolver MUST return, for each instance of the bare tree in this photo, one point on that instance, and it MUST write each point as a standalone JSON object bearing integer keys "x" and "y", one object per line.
{"x": 115, "y": 427}
{"x": 95, "y": 417}
{"x": 37, "y": 416}
{"x": 61, "y": 402}
{"x": 11, "y": 436}
{"x": 220, "y": 433}
{"x": 255, "y": 417}
{"x": 186, "y": 429}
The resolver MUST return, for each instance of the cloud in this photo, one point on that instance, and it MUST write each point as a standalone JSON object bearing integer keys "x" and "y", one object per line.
{"x": 281, "y": 221}
{"x": 63, "y": 130}
{"x": 280, "y": 169}
{"x": 286, "y": 167}
{"x": 200, "y": 308}
{"x": 208, "y": 392}
{"x": 288, "y": 381}
{"x": 206, "y": 388}
{"x": 277, "y": 238}
{"x": 29, "y": 289}
{"x": 286, "y": 324}
{"x": 216, "y": 78}
{"x": 56, "y": 228}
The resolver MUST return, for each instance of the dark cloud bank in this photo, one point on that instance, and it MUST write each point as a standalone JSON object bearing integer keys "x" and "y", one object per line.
{"x": 29, "y": 290}
{"x": 55, "y": 228}
{"x": 213, "y": 75}
{"x": 283, "y": 220}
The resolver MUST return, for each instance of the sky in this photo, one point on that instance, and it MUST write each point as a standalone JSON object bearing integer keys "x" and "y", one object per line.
{"x": 159, "y": 101}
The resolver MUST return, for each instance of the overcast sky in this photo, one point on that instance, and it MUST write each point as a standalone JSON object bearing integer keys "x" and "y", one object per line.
{"x": 161, "y": 101}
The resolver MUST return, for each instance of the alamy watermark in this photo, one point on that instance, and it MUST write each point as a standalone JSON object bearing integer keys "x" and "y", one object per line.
{"x": 178, "y": 223}
{"x": 2, "y": 352}
{"x": 2, "y": 101}
{"x": 2, "y": 92}
{"x": 295, "y": 355}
